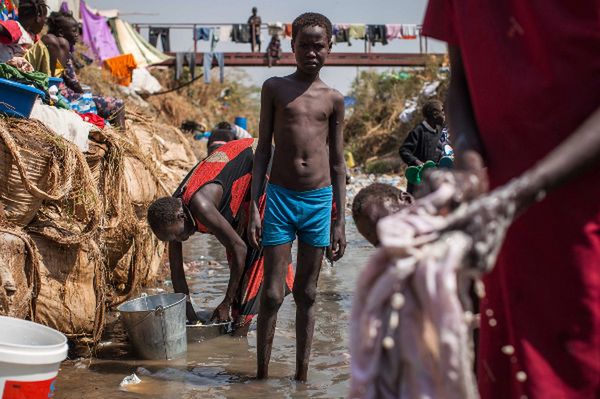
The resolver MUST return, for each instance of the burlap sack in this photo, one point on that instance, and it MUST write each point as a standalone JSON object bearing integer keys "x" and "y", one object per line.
{"x": 72, "y": 288}
{"x": 22, "y": 157}
{"x": 19, "y": 277}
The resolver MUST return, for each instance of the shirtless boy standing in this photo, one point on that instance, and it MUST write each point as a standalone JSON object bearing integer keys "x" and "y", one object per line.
{"x": 304, "y": 116}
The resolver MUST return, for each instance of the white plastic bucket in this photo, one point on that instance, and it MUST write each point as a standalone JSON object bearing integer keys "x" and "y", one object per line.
{"x": 30, "y": 355}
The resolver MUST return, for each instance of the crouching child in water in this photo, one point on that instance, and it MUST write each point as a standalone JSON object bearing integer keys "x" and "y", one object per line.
{"x": 304, "y": 116}
{"x": 375, "y": 202}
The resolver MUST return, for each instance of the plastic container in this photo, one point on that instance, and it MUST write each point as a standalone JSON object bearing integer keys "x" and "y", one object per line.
{"x": 17, "y": 99}
{"x": 54, "y": 81}
{"x": 156, "y": 325}
{"x": 30, "y": 356}
{"x": 241, "y": 122}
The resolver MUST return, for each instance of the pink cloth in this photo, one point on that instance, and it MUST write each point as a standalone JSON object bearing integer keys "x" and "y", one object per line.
{"x": 97, "y": 34}
{"x": 394, "y": 31}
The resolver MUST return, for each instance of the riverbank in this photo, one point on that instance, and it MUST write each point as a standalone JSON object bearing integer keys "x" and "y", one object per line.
{"x": 225, "y": 366}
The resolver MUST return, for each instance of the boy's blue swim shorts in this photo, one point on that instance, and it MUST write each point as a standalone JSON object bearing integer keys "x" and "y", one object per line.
{"x": 304, "y": 213}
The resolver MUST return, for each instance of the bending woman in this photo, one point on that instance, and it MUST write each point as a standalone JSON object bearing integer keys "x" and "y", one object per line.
{"x": 214, "y": 199}
{"x": 63, "y": 33}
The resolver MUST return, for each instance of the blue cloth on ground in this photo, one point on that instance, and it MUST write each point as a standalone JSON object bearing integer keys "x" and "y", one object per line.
{"x": 304, "y": 213}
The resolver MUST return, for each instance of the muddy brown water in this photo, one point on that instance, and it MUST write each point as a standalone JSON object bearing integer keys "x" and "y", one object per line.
{"x": 224, "y": 367}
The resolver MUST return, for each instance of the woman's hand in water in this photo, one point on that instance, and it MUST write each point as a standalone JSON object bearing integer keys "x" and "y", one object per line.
{"x": 222, "y": 312}
{"x": 254, "y": 226}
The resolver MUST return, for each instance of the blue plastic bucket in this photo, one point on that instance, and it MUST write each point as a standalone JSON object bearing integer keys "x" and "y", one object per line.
{"x": 54, "y": 81}
{"x": 17, "y": 99}
{"x": 241, "y": 122}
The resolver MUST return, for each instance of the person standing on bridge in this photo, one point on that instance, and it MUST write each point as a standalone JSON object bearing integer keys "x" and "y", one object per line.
{"x": 274, "y": 50}
{"x": 255, "y": 22}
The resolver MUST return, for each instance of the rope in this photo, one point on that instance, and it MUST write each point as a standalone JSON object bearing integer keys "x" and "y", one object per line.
{"x": 178, "y": 87}
{"x": 11, "y": 145}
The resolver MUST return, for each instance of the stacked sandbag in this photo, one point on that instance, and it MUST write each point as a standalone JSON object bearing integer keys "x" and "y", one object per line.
{"x": 28, "y": 173}
{"x": 73, "y": 233}
{"x": 71, "y": 297}
{"x": 63, "y": 285}
{"x": 19, "y": 272}
{"x": 128, "y": 183}
{"x": 166, "y": 146}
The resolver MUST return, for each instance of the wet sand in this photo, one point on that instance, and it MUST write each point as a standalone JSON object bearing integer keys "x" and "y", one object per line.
{"x": 224, "y": 367}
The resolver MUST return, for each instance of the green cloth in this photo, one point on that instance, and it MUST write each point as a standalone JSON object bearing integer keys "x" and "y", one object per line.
{"x": 357, "y": 31}
{"x": 39, "y": 57}
{"x": 37, "y": 79}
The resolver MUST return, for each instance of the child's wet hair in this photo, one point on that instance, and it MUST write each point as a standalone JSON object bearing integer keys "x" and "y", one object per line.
{"x": 311, "y": 19}
{"x": 382, "y": 195}
{"x": 162, "y": 212}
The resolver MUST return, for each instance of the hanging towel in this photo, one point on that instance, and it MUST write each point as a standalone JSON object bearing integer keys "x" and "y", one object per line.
{"x": 241, "y": 33}
{"x": 275, "y": 29}
{"x": 357, "y": 31}
{"x": 288, "y": 30}
{"x": 409, "y": 31}
{"x": 225, "y": 33}
{"x": 121, "y": 67}
{"x": 208, "y": 60}
{"x": 96, "y": 34}
{"x": 377, "y": 34}
{"x": 394, "y": 31}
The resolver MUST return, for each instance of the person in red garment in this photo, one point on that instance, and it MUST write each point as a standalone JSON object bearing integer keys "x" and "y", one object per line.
{"x": 525, "y": 97}
{"x": 214, "y": 199}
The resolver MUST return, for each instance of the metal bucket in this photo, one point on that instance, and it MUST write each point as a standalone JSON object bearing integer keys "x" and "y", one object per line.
{"x": 207, "y": 330}
{"x": 156, "y": 325}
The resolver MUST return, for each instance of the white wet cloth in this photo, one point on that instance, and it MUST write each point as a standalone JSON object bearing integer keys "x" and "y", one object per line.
{"x": 64, "y": 123}
{"x": 241, "y": 133}
{"x": 143, "y": 81}
{"x": 225, "y": 33}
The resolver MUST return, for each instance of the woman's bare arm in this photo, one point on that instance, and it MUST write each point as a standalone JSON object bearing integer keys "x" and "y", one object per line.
{"x": 209, "y": 216}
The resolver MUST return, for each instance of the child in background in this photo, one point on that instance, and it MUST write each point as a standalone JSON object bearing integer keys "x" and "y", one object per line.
{"x": 375, "y": 202}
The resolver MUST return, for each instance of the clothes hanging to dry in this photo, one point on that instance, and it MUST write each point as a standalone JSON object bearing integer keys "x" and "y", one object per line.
{"x": 377, "y": 34}
{"x": 121, "y": 67}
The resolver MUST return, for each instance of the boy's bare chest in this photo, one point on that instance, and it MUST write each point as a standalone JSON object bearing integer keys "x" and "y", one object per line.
{"x": 307, "y": 106}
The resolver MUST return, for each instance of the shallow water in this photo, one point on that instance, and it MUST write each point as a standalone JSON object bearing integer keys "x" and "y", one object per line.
{"x": 224, "y": 367}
